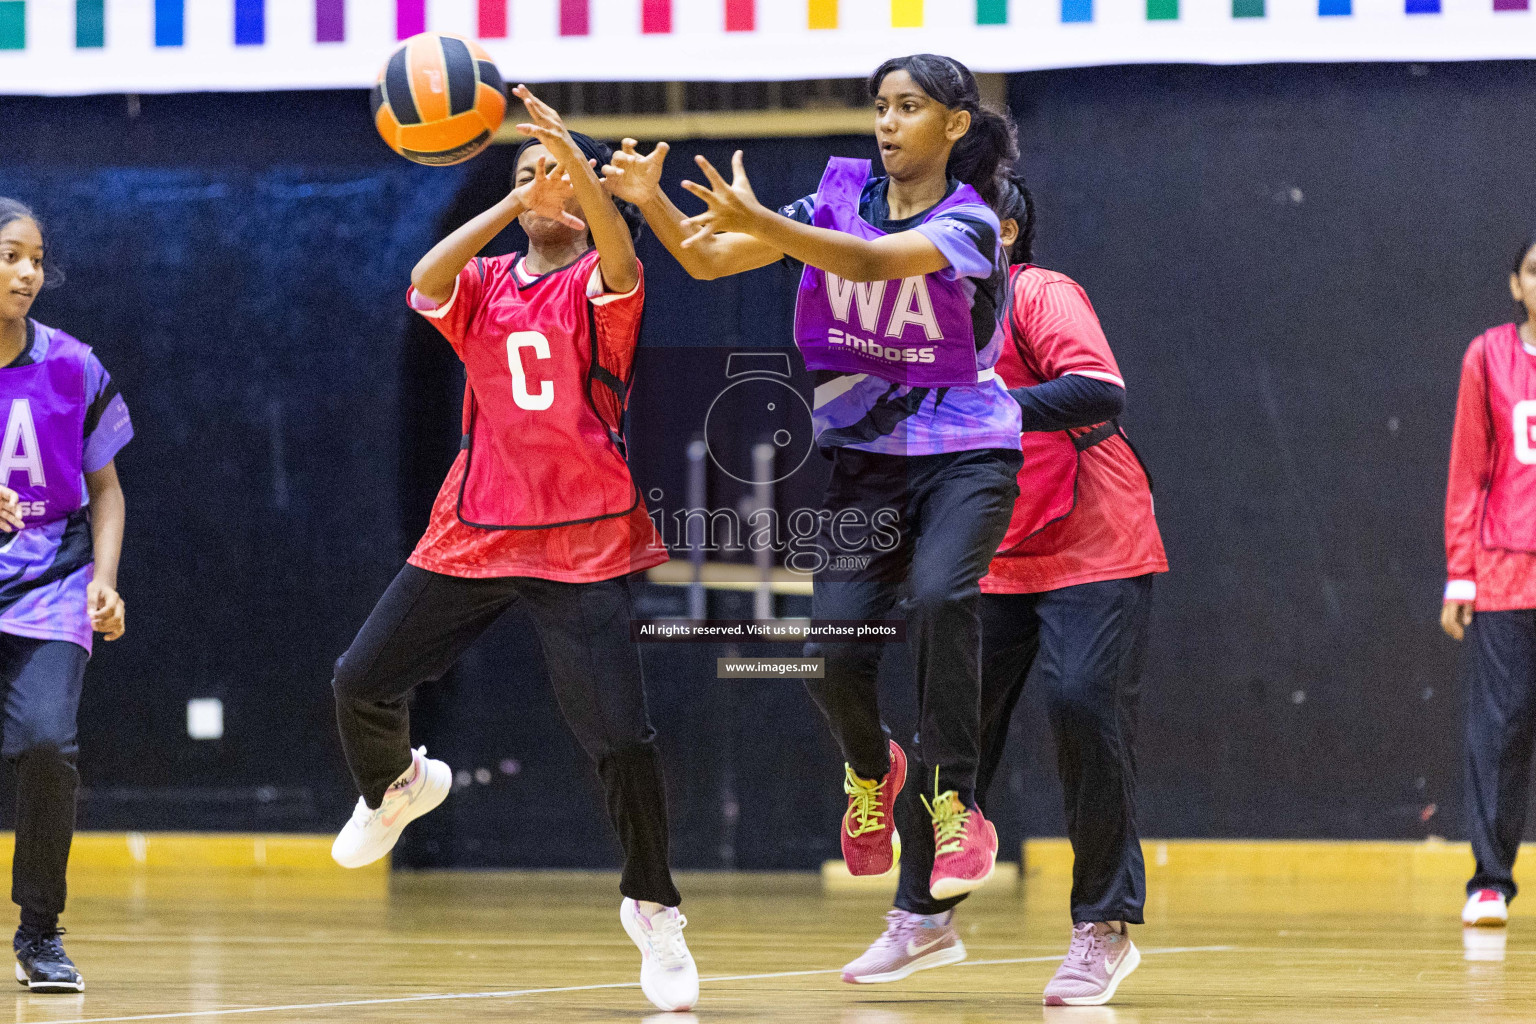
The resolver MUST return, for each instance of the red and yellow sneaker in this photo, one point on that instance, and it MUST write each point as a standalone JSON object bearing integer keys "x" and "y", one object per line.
{"x": 964, "y": 846}
{"x": 870, "y": 846}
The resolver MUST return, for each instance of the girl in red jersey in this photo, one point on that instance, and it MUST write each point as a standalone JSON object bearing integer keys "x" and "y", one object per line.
{"x": 1490, "y": 597}
{"x": 539, "y": 510}
{"x": 1067, "y": 596}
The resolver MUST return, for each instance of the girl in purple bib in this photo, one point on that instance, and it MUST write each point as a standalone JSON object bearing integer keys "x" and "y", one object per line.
{"x": 61, "y": 531}
{"x": 898, "y": 314}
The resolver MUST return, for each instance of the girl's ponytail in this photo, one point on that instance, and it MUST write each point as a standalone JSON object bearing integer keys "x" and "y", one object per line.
{"x": 986, "y": 151}
{"x": 1015, "y": 203}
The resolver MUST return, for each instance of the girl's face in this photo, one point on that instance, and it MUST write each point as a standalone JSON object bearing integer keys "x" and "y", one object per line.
{"x": 21, "y": 268}
{"x": 1522, "y": 284}
{"x": 914, "y": 130}
{"x": 542, "y": 230}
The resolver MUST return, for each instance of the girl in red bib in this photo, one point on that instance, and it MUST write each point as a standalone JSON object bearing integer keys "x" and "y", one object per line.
{"x": 1490, "y": 596}
{"x": 539, "y": 510}
{"x": 1065, "y": 605}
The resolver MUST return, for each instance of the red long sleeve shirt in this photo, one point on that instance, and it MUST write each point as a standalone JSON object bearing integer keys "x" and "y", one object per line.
{"x": 1496, "y": 579}
{"x": 1112, "y": 532}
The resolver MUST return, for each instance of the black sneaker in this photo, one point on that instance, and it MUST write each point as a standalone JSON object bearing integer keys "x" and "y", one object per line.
{"x": 42, "y": 965}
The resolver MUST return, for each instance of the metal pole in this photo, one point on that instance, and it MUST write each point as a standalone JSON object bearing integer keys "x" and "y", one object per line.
{"x": 762, "y": 493}
{"x": 698, "y": 489}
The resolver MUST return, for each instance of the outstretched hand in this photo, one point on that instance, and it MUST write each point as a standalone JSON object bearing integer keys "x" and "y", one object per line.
{"x": 544, "y": 124}
{"x": 731, "y": 206}
{"x": 544, "y": 195}
{"x": 632, "y": 177}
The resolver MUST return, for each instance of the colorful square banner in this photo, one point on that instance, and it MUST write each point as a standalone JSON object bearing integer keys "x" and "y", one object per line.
{"x": 90, "y": 24}
{"x": 330, "y": 21}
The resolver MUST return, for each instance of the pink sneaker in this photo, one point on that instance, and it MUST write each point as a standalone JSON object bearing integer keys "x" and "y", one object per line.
{"x": 964, "y": 847}
{"x": 911, "y": 943}
{"x": 869, "y": 829}
{"x": 1097, "y": 961}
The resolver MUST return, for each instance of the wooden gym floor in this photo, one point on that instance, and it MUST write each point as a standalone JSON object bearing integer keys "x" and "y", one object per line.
{"x": 547, "y": 947}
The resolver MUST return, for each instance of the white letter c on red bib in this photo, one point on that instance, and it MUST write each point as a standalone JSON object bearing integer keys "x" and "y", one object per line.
{"x": 520, "y": 394}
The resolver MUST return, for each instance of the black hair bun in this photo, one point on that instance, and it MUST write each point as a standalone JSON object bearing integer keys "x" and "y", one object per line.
{"x": 633, "y": 217}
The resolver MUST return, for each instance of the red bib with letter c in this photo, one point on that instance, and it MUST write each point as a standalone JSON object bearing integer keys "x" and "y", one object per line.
{"x": 542, "y": 412}
{"x": 1509, "y": 368}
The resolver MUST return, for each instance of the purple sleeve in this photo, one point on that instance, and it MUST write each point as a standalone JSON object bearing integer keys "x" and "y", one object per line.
{"x": 107, "y": 426}
{"x": 967, "y": 236}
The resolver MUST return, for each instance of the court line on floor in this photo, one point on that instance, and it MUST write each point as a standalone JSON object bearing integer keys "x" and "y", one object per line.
{"x": 427, "y": 997}
{"x": 189, "y": 938}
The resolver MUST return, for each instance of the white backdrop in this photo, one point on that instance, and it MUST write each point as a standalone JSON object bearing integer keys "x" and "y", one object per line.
{"x": 781, "y": 47}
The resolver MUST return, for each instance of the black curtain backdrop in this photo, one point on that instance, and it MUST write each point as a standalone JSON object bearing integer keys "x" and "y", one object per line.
{"x": 1289, "y": 261}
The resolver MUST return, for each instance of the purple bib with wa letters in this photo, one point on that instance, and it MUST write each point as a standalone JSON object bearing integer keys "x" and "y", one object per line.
{"x": 916, "y": 331}
{"x": 43, "y": 408}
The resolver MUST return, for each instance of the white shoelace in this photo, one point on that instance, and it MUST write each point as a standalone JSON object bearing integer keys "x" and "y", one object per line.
{"x": 362, "y": 814}
{"x": 665, "y": 936}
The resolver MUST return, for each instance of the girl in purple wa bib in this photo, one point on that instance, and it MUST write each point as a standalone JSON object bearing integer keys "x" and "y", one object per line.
{"x": 61, "y": 531}
{"x": 898, "y": 314}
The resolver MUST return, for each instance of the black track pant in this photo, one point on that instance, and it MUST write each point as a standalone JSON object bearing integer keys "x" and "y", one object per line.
{"x": 425, "y": 620}
{"x": 1501, "y": 728}
{"x": 945, "y": 516}
{"x": 42, "y": 680}
{"x": 1084, "y": 646}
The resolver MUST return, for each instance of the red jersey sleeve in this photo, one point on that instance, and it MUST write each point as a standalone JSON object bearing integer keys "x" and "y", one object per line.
{"x": 452, "y": 318}
{"x": 1053, "y": 314}
{"x": 1467, "y": 486}
{"x": 617, "y": 315}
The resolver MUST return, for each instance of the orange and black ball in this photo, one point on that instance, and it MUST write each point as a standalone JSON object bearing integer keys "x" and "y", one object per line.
{"x": 439, "y": 99}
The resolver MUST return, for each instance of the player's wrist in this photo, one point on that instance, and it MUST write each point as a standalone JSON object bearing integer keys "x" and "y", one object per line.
{"x": 653, "y": 201}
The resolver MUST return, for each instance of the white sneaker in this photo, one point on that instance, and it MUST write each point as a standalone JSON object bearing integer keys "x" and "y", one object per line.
{"x": 668, "y": 976}
{"x": 372, "y": 832}
{"x": 1485, "y": 908}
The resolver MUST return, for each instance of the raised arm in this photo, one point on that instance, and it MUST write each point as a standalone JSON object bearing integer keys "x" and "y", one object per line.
{"x": 610, "y": 234}
{"x": 637, "y": 179}
{"x": 732, "y": 207}
{"x": 435, "y": 273}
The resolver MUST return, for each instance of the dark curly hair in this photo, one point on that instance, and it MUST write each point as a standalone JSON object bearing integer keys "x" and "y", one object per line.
{"x": 991, "y": 145}
{"x": 603, "y": 154}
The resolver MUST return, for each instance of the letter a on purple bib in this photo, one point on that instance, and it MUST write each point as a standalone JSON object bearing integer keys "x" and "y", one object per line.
{"x": 916, "y": 331}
